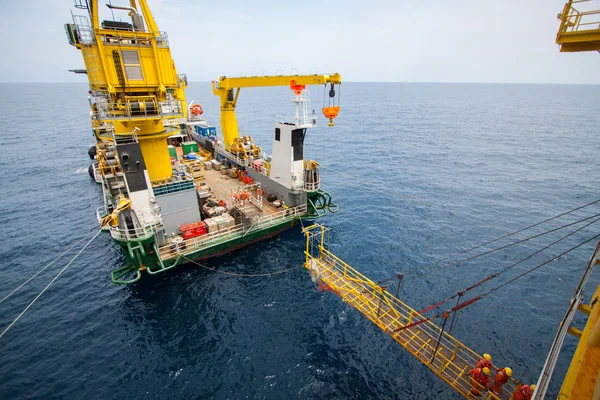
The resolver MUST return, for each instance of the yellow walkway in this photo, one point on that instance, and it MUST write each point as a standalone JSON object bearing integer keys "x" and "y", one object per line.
{"x": 453, "y": 360}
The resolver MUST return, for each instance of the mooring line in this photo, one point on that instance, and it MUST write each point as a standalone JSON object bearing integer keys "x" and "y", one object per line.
{"x": 47, "y": 265}
{"x": 49, "y": 284}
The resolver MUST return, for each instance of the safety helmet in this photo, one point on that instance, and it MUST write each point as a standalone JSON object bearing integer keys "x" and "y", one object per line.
{"x": 486, "y": 371}
{"x": 487, "y": 357}
{"x": 532, "y": 387}
{"x": 508, "y": 371}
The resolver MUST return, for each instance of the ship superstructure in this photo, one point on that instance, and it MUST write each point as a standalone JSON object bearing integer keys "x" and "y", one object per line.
{"x": 173, "y": 191}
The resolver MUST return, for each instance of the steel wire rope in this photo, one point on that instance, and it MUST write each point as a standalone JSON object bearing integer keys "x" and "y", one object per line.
{"x": 539, "y": 266}
{"x": 242, "y": 275}
{"x": 496, "y": 274}
{"x": 503, "y": 237}
{"x": 410, "y": 272}
{"x": 364, "y": 185}
{"x": 47, "y": 265}
{"x": 49, "y": 284}
{"x": 467, "y": 303}
{"x": 499, "y": 248}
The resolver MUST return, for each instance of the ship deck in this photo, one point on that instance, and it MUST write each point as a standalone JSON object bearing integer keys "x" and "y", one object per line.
{"x": 223, "y": 186}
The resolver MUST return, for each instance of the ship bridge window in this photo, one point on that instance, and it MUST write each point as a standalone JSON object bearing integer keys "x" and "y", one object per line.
{"x": 131, "y": 62}
{"x": 278, "y": 134}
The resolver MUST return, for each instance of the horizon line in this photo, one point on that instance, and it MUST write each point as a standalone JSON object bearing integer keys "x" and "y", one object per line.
{"x": 409, "y": 82}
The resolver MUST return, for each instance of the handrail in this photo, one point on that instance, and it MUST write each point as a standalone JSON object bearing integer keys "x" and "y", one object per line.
{"x": 118, "y": 110}
{"x": 449, "y": 358}
{"x": 138, "y": 233}
{"x": 239, "y": 230}
{"x": 573, "y": 20}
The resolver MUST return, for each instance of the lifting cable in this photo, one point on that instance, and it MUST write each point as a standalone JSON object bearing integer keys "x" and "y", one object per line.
{"x": 502, "y": 247}
{"x": 47, "y": 265}
{"x": 414, "y": 270}
{"x": 496, "y": 274}
{"x": 241, "y": 275}
{"x": 458, "y": 307}
{"x": 49, "y": 284}
{"x": 510, "y": 234}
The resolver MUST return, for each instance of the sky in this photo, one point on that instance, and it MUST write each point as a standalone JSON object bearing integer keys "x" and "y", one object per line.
{"x": 505, "y": 41}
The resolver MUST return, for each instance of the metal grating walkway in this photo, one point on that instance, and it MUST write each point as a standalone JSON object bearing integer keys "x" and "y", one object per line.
{"x": 453, "y": 360}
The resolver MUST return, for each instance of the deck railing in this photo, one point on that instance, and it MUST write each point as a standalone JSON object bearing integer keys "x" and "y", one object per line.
{"x": 137, "y": 233}
{"x": 210, "y": 239}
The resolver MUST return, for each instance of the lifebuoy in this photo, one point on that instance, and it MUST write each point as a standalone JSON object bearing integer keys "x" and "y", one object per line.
{"x": 197, "y": 109}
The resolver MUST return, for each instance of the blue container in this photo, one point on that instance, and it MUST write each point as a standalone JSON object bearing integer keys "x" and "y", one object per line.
{"x": 206, "y": 131}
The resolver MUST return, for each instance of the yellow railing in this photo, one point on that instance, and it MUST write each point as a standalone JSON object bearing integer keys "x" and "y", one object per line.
{"x": 579, "y": 30}
{"x": 574, "y": 20}
{"x": 445, "y": 355}
{"x": 237, "y": 231}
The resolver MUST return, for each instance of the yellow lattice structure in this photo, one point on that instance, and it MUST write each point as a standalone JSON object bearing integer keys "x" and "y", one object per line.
{"x": 449, "y": 359}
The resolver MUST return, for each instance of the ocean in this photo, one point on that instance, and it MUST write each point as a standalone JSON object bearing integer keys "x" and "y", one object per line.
{"x": 421, "y": 171}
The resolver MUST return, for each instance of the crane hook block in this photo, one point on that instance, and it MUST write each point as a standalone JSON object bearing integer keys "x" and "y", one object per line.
{"x": 331, "y": 113}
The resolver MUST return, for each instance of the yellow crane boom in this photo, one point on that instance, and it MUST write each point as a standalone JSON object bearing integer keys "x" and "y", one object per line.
{"x": 135, "y": 88}
{"x": 228, "y": 90}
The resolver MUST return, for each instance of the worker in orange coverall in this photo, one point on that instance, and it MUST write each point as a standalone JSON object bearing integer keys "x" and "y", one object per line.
{"x": 523, "y": 392}
{"x": 485, "y": 362}
{"x": 502, "y": 376}
{"x": 259, "y": 194}
{"x": 480, "y": 381}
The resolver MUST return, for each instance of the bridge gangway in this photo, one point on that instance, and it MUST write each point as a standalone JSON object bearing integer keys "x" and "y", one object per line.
{"x": 450, "y": 359}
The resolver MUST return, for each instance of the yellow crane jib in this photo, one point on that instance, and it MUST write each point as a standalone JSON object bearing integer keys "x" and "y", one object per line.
{"x": 228, "y": 90}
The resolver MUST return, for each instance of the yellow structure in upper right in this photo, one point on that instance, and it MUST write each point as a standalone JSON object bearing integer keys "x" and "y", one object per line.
{"x": 579, "y": 29}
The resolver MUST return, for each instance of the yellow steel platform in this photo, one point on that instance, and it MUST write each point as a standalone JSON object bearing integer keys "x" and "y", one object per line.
{"x": 452, "y": 361}
{"x": 579, "y": 28}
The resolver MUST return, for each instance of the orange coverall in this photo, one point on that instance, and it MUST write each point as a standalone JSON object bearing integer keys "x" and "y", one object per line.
{"x": 499, "y": 380}
{"x": 523, "y": 392}
{"x": 480, "y": 381}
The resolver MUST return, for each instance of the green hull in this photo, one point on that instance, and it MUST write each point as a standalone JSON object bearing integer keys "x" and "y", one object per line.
{"x": 143, "y": 255}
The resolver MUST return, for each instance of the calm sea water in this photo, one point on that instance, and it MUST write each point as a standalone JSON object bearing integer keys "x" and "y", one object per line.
{"x": 420, "y": 171}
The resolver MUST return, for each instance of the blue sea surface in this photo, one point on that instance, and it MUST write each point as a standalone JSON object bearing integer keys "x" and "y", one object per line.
{"x": 420, "y": 172}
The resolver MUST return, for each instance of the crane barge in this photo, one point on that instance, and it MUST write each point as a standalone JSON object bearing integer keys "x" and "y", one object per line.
{"x": 173, "y": 191}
